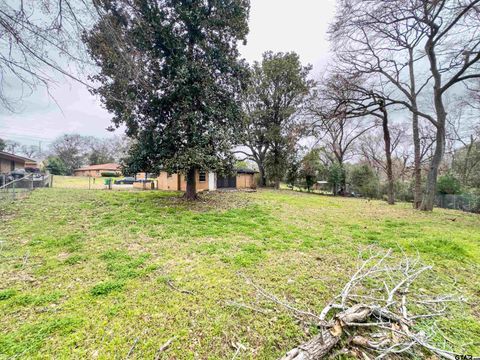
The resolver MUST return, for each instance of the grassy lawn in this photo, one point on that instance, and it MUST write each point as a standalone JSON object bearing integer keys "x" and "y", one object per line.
{"x": 79, "y": 182}
{"x": 93, "y": 274}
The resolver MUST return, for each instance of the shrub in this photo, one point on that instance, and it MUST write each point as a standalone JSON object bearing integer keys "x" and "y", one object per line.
{"x": 336, "y": 176}
{"x": 109, "y": 174}
{"x": 56, "y": 166}
{"x": 449, "y": 184}
{"x": 364, "y": 180}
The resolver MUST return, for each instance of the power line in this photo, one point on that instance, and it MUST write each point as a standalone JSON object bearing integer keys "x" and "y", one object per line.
{"x": 26, "y": 137}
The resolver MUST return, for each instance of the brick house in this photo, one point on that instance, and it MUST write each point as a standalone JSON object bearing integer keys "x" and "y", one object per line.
{"x": 97, "y": 170}
{"x": 242, "y": 179}
{"x": 10, "y": 162}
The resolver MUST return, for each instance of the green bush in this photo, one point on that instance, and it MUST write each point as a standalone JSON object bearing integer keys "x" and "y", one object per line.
{"x": 364, "y": 180}
{"x": 109, "y": 174}
{"x": 449, "y": 184}
{"x": 336, "y": 176}
{"x": 56, "y": 166}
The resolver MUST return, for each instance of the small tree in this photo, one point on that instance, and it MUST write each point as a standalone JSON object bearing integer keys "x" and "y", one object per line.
{"x": 56, "y": 166}
{"x": 336, "y": 178}
{"x": 3, "y": 144}
{"x": 310, "y": 168}
{"x": 449, "y": 184}
{"x": 293, "y": 171}
{"x": 364, "y": 180}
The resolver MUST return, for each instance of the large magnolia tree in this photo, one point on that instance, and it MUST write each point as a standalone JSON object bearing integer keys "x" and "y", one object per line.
{"x": 170, "y": 71}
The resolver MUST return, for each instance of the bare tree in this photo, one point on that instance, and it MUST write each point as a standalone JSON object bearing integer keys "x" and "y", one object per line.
{"x": 370, "y": 41}
{"x": 402, "y": 38}
{"x": 375, "y": 153}
{"x": 38, "y": 41}
{"x": 30, "y": 151}
{"x": 11, "y": 146}
{"x": 349, "y": 103}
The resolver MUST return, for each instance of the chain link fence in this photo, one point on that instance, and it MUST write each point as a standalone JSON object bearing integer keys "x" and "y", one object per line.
{"x": 19, "y": 188}
{"x": 464, "y": 202}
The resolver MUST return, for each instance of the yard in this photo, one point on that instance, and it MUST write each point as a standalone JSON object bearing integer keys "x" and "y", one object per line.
{"x": 115, "y": 274}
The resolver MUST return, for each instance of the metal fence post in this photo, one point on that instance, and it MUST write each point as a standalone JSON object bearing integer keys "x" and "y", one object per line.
{"x": 13, "y": 190}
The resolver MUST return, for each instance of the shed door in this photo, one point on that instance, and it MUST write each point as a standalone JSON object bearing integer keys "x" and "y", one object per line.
{"x": 226, "y": 182}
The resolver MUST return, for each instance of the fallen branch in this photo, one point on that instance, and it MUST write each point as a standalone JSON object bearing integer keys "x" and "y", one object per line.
{"x": 172, "y": 285}
{"x": 163, "y": 348}
{"x": 373, "y": 310}
{"x": 130, "y": 352}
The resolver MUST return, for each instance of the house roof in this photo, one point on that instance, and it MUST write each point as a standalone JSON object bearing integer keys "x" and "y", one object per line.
{"x": 8, "y": 156}
{"x": 110, "y": 166}
{"x": 245, "y": 171}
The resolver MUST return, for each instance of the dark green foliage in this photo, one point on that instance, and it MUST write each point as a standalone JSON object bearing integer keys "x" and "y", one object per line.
{"x": 75, "y": 259}
{"x": 169, "y": 71}
{"x": 108, "y": 174}
{"x": 278, "y": 87}
{"x": 364, "y": 181}
{"x": 123, "y": 266}
{"x": 37, "y": 300}
{"x": 56, "y": 166}
{"x": 106, "y": 288}
{"x": 449, "y": 184}
{"x": 3, "y": 145}
{"x": 7, "y": 294}
{"x": 311, "y": 168}
{"x": 336, "y": 177}
{"x": 293, "y": 172}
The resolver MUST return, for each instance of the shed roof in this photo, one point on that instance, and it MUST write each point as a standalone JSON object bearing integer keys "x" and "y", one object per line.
{"x": 9, "y": 156}
{"x": 245, "y": 171}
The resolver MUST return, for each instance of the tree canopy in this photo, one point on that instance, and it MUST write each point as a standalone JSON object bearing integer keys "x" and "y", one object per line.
{"x": 277, "y": 90}
{"x": 170, "y": 71}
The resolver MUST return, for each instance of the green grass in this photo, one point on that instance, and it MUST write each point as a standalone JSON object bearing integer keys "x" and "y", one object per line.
{"x": 79, "y": 182}
{"x": 85, "y": 273}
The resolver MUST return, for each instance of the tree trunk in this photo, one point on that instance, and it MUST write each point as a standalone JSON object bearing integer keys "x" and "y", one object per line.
{"x": 316, "y": 348}
{"x": 263, "y": 179}
{"x": 319, "y": 346}
{"x": 277, "y": 183}
{"x": 388, "y": 155}
{"x": 191, "y": 193}
{"x": 417, "y": 172}
{"x": 431, "y": 185}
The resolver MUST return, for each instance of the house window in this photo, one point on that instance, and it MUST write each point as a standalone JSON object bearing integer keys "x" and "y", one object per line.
{"x": 202, "y": 176}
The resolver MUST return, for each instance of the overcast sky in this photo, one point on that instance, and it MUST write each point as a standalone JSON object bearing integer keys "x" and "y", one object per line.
{"x": 277, "y": 25}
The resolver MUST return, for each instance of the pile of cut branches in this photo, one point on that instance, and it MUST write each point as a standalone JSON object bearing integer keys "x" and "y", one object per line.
{"x": 374, "y": 316}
